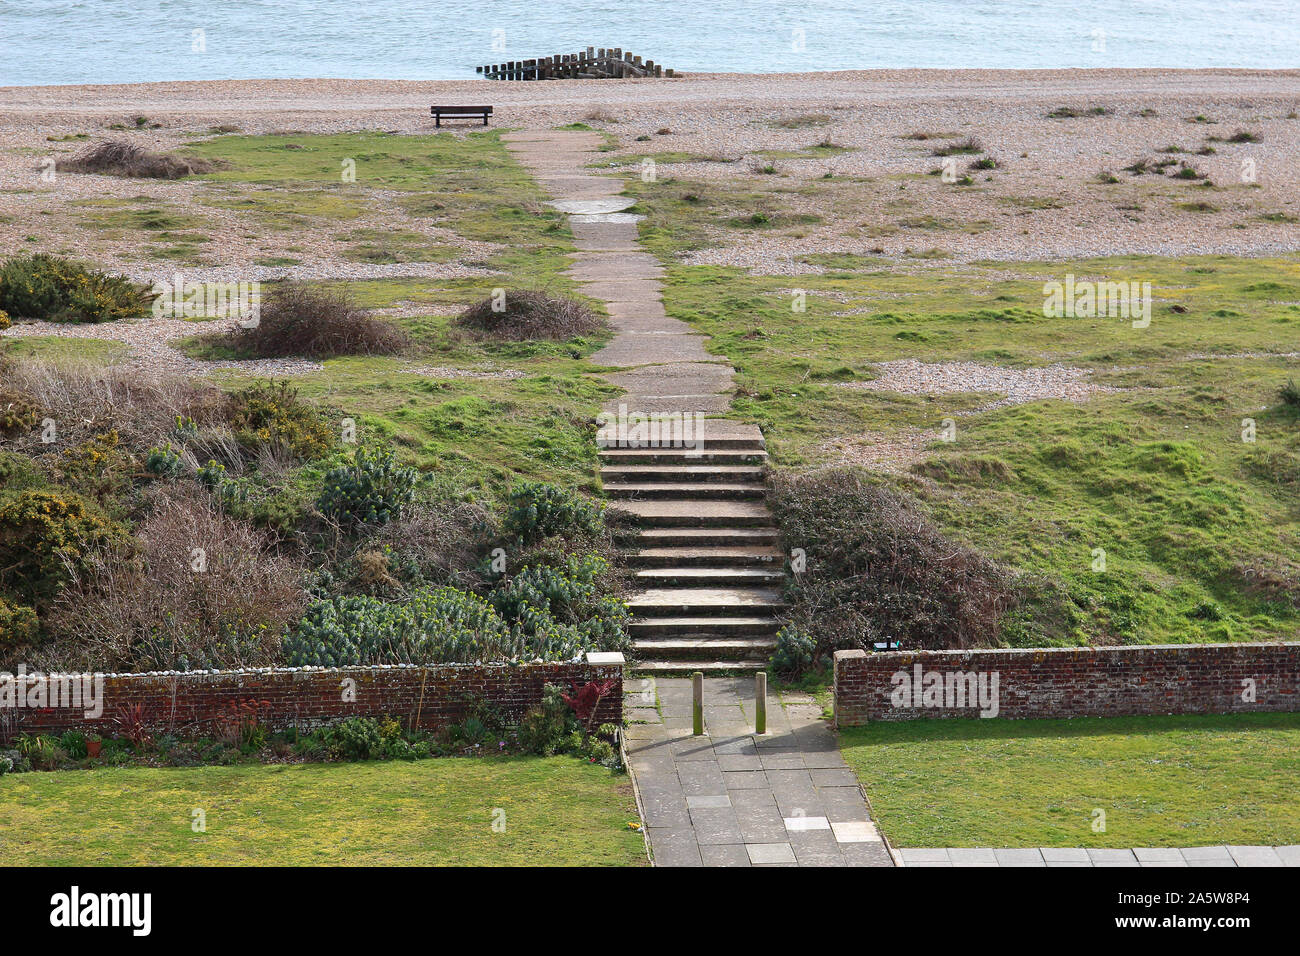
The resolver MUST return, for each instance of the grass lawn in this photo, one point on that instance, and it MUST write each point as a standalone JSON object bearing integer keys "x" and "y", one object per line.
{"x": 1162, "y": 781}
{"x": 558, "y": 812}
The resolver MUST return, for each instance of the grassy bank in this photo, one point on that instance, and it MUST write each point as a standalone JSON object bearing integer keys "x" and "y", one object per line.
{"x": 1154, "y": 471}
{"x": 557, "y": 812}
{"x": 1160, "y": 781}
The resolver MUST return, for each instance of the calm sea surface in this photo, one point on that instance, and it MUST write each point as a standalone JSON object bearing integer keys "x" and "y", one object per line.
{"x": 119, "y": 41}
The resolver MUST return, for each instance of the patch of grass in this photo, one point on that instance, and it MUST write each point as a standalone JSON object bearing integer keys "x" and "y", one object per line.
{"x": 1072, "y": 112}
{"x": 64, "y": 351}
{"x": 1162, "y": 781}
{"x": 559, "y": 812}
{"x": 967, "y": 147}
{"x": 801, "y": 121}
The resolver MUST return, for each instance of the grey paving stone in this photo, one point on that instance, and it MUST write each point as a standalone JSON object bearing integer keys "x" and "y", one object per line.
{"x": 1075, "y": 863}
{"x": 746, "y": 780}
{"x": 1028, "y": 857}
{"x": 924, "y": 855}
{"x": 1290, "y": 855}
{"x": 761, "y": 853}
{"x": 752, "y": 798}
{"x": 735, "y": 763}
{"x": 933, "y": 863}
{"x": 761, "y": 825}
{"x": 843, "y": 804}
{"x": 674, "y": 846}
{"x": 790, "y": 779}
{"x": 742, "y": 747}
{"x": 1219, "y": 853}
{"x": 797, "y": 803}
{"x": 834, "y": 778}
{"x": 816, "y": 848}
{"x": 858, "y": 831}
{"x": 804, "y": 824}
{"x": 792, "y": 761}
{"x": 713, "y": 826}
{"x": 707, "y": 802}
{"x": 1255, "y": 856}
{"x": 701, "y": 777}
{"x": 823, "y": 760}
{"x": 664, "y": 810}
{"x": 692, "y": 748}
{"x": 1229, "y": 862}
{"x": 1112, "y": 857}
{"x": 866, "y": 854}
{"x": 971, "y": 856}
{"x": 1069, "y": 854}
{"x": 1158, "y": 854}
{"x": 1156, "y": 864}
{"x": 724, "y": 854}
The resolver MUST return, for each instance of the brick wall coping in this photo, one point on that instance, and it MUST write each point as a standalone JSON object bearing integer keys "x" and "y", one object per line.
{"x": 591, "y": 657}
{"x": 1022, "y": 652}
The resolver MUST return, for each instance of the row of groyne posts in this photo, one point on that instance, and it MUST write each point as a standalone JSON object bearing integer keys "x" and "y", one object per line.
{"x": 595, "y": 64}
{"x": 697, "y": 703}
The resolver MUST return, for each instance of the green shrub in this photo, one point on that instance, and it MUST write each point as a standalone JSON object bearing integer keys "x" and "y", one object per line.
{"x": 372, "y": 490}
{"x": 539, "y": 510}
{"x": 164, "y": 462}
{"x": 547, "y": 728}
{"x": 4, "y": 320}
{"x": 559, "y": 612}
{"x": 43, "y": 286}
{"x": 357, "y": 738}
{"x": 794, "y": 651}
{"x": 435, "y": 626}
{"x": 18, "y": 624}
{"x": 44, "y": 535}
{"x": 273, "y": 414}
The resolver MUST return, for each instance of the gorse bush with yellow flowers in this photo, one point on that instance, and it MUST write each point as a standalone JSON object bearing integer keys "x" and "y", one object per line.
{"x": 42, "y": 286}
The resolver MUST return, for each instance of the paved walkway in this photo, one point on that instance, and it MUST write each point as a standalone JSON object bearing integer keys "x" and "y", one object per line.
{"x": 733, "y": 798}
{"x": 1150, "y": 856}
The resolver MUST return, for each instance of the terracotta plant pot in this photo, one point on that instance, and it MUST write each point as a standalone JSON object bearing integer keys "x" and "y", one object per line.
{"x": 92, "y": 747}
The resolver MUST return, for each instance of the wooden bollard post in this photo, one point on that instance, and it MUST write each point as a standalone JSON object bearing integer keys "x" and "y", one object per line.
{"x": 697, "y": 703}
{"x": 760, "y": 702}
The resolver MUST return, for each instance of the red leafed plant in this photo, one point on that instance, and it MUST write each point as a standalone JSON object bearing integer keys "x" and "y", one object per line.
{"x": 586, "y": 699}
{"x": 130, "y": 717}
{"x": 240, "y": 724}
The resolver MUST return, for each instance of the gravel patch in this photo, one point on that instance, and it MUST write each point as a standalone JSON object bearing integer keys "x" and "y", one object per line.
{"x": 1019, "y": 385}
{"x": 893, "y": 452}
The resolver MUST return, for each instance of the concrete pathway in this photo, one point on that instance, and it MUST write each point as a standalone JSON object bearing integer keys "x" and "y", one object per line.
{"x": 1074, "y": 856}
{"x": 709, "y": 570}
{"x": 733, "y": 798}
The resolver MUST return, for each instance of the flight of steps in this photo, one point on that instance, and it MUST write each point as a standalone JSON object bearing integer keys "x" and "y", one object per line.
{"x": 705, "y": 555}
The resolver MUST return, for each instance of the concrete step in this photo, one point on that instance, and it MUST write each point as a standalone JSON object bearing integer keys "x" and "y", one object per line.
{"x": 688, "y": 473}
{"x": 733, "y": 556}
{"x": 682, "y": 668}
{"x": 704, "y": 537}
{"x": 709, "y": 577}
{"x": 691, "y": 602}
{"x": 705, "y": 648}
{"x": 618, "y": 457}
{"x": 646, "y": 627}
{"x": 705, "y": 434}
{"x": 696, "y": 513}
{"x": 646, "y": 490}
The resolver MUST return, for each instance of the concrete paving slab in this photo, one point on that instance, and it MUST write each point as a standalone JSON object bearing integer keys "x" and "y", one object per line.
{"x": 770, "y": 853}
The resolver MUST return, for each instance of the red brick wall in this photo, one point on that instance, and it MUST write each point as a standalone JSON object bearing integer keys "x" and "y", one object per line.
{"x": 1079, "y": 682}
{"x": 187, "y": 703}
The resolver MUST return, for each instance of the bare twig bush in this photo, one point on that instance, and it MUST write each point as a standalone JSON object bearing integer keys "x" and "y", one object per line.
{"x": 84, "y": 400}
{"x": 198, "y": 589}
{"x": 879, "y": 569}
{"x": 119, "y": 158}
{"x": 317, "y": 322}
{"x": 528, "y": 314}
{"x": 434, "y": 544}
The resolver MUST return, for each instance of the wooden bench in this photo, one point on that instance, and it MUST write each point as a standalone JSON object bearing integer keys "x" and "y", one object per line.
{"x": 459, "y": 112}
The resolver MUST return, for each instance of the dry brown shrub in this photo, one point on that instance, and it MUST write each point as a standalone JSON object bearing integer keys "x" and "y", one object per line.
{"x": 316, "y": 322}
{"x": 529, "y": 314}
{"x": 119, "y": 158}
{"x": 197, "y": 589}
